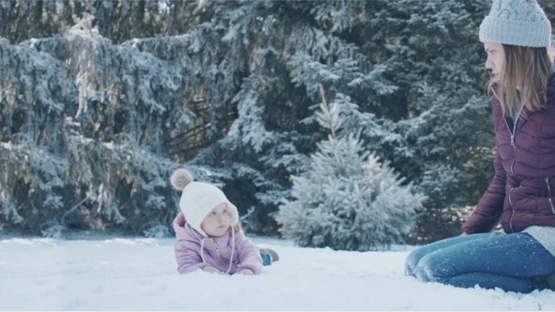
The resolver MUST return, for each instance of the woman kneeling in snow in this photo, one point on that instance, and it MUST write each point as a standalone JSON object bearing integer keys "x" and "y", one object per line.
{"x": 209, "y": 236}
{"x": 516, "y": 36}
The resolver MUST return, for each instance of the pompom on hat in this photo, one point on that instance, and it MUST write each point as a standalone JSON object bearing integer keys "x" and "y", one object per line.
{"x": 199, "y": 198}
{"x": 516, "y": 22}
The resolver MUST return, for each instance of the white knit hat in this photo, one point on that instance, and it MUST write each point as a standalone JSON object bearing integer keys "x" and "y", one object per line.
{"x": 199, "y": 198}
{"x": 516, "y": 22}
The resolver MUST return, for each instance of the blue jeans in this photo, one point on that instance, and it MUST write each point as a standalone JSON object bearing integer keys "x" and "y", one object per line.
{"x": 489, "y": 260}
{"x": 266, "y": 258}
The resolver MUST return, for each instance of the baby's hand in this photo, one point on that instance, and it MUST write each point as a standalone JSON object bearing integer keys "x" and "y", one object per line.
{"x": 246, "y": 272}
{"x": 211, "y": 269}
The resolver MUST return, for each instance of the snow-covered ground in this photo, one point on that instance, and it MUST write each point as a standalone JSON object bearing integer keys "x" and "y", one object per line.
{"x": 140, "y": 274}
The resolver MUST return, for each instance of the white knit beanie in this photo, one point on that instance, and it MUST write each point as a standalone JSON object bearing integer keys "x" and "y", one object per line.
{"x": 516, "y": 22}
{"x": 198, "y": 199}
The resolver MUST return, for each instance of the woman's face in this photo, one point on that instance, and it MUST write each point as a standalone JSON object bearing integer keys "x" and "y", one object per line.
{"x": 496, "y": 59}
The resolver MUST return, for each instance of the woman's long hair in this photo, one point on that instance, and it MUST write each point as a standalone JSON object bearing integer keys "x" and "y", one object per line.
{"x": 524, "y": 77}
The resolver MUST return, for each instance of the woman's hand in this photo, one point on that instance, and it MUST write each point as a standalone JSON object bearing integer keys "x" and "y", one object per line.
{"x": 464, "y": 233}
{"x": 211, "y": 269}
{"x": 246, "y": 272}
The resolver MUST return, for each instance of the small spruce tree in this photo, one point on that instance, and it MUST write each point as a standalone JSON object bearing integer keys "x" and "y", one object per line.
{"x": 347, "y": 200}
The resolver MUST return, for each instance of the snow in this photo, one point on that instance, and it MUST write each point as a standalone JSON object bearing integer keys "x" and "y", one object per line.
{"x": 140, "y": 274}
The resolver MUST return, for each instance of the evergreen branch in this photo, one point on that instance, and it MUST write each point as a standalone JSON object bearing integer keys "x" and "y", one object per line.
{"x": 74, "y": 207}
{"x": 323, "y": 95}
{"x": 191, "y": 148}
{"x": 187, "y": 134}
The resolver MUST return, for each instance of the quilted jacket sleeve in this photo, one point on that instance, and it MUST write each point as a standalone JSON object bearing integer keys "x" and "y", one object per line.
{"x": 490, "y": 207}
{"x": 187, "y": 257}
{"x": 249, "y": 254}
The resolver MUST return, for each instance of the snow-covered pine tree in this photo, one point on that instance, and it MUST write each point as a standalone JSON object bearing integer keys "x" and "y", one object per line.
{"x": 129, "y": 103}
{"x": 31, "y": 163}
{"x": 347, "y": 199}
{"x": 83, "y": 122}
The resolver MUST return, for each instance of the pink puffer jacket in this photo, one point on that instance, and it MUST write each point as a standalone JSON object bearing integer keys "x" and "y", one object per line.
{"x": 193, "y": 251}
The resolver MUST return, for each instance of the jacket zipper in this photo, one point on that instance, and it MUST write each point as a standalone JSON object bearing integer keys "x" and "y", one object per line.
{"x": 549, "y": 198}
{"x": 512, "y": 133}
{"x": 222, "y": 262}
{"x": 513, "y": 168}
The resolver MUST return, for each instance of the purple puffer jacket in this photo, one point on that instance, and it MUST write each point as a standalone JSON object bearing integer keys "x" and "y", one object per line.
{"x": 216, "y": 251}
{"x": 522, "y": 192}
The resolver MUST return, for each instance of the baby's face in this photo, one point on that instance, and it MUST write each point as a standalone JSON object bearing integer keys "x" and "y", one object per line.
{"x": 216, "y": 222}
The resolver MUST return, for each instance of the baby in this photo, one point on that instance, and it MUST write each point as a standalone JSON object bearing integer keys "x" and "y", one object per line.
{"x": 209, "y": 236}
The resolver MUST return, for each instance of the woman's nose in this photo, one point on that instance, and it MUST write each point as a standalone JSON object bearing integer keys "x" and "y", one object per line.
{"x": 489, "y": 64}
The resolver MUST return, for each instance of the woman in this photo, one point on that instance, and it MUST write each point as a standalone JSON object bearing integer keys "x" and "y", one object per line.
{"x": 516, "y": 36}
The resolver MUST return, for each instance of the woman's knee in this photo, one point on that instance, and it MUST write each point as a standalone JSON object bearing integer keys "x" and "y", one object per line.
{"x": 412, "y": 261}
{"x": 415, "y": 257}
{"x": 434, "y": 268}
